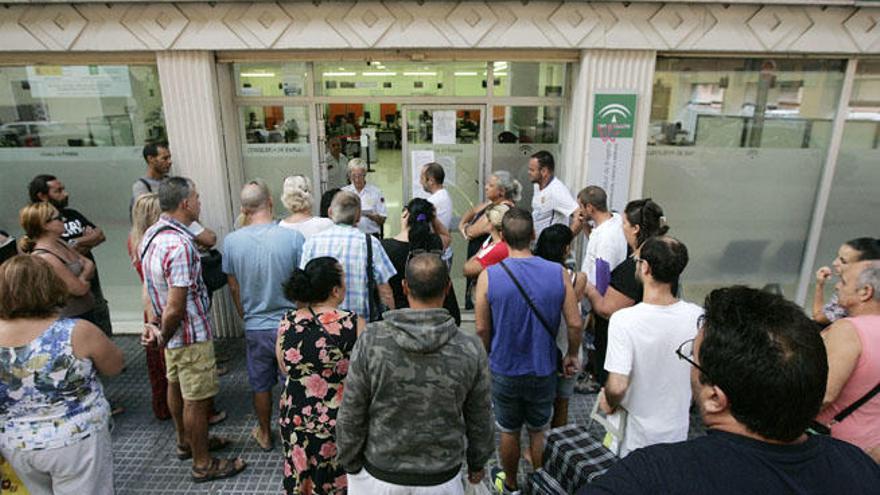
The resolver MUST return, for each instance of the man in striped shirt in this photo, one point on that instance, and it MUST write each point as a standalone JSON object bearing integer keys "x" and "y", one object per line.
{"x": 179, "y": 323}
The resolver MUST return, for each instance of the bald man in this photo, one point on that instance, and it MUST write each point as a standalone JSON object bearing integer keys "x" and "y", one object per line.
{"x": 258, "y": 258}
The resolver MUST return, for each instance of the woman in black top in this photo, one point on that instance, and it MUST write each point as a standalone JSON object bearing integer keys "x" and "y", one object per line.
{"x": 642, "y": 219}
{"x": 415, "y": 235}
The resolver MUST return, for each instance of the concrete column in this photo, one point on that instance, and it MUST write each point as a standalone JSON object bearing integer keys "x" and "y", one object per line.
{"x": 192, "y": 103}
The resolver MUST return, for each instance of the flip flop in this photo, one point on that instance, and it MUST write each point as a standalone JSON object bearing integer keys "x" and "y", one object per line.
{"x": 214, "y": 443}
{"x": 218, "y": 470}
{"x": 255, "y": 435}
{"x": 217, "y": 418}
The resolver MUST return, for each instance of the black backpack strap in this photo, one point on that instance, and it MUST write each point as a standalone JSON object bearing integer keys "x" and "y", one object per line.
{"x": 146, "y": 184}
{"x": 371, "y": 282}
{"x": 528, "y": 300}
{"x": 147, "y": 245}
{"x": 857, "y": 404}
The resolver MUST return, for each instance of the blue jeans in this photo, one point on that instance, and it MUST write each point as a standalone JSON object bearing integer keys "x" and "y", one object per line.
{"x": 522, "y": 400}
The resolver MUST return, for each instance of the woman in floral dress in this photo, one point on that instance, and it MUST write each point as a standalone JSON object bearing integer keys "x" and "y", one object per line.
{"x": 313, "y": 348}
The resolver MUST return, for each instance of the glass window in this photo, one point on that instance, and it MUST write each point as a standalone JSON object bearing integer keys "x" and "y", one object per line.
{"x": 853, "y": 203}
{"x": 529, "y": 79}
{"x": 738, "y": 147}
{"x": 519, "y": 132}
{"x": 400, "y": 79}
{"x": 271, "y": 79}
{"x": 85, "y": 124}
{"x": 276, "y": 146}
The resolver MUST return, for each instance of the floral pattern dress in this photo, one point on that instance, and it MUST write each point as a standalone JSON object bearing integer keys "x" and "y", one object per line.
{"x": 316, "y": 350}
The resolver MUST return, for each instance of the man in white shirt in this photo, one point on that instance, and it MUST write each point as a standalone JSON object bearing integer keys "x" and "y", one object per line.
{"x": 432, "y": 178}
{"x": 373, "y": 210}
{"x": 646, "y": 378}
{"x": 336, "y": 165}
{"x": 552, "y": 202}
{"x": 606, "y": 247}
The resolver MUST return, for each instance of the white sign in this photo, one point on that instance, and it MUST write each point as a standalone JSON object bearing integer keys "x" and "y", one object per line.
{"x": 611, "y": 145}
{"x": 79, "y": 81}
{"x": 444, "y": 126}
{"x": 277, "y": 149}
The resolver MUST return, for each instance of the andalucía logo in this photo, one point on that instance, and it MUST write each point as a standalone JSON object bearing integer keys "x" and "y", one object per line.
{"x": 614, "y": 116}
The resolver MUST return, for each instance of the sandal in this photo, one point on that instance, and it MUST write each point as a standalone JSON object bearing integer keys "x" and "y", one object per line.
{"x": 216, "y": 418}
{"x": 255, "y": 434}
{"x": 218, "y": 470}
{"x": 214, "y": 443}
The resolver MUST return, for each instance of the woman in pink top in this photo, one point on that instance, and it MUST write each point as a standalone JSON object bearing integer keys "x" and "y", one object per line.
{"x": 853, "y": 346}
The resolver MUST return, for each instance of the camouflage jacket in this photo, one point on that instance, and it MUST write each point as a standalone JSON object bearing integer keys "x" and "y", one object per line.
{"x": 416, "y": 395}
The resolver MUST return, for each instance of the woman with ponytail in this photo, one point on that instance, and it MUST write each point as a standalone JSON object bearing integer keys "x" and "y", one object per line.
{"x": 313, "y": 349}
{"x": 420, "y": 231}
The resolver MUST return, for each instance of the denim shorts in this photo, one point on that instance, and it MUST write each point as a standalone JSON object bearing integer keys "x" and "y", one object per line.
{"x": 522, "y": 400}
{"x": 262, "y": 365}
{"x": 565, "y": 387}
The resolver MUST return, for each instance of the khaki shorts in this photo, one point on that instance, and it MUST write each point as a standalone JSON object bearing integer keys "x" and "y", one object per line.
{"x": 195, "y": 368}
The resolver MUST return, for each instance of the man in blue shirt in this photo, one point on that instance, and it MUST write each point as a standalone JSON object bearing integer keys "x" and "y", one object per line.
{"x": 258, "y": 259}
{"x": 522, "y": 344}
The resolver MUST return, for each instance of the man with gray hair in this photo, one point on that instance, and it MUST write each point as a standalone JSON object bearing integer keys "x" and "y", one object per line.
{"x": 179, "y": 323}
{"x": 417, "y": 381}
{"x": 853, "y": 346}
{"x": 348, "y": 245}
{"x": 258, "y": 259}
{"x": 373, "y": 211}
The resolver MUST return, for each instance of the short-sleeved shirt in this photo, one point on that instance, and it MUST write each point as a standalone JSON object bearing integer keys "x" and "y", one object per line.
{"x": 551, "y": 205}
{"x": 261, "y": 258}
{"x": 492, "y": 253}
{"x": 723, "y": 463}
{"x": 443, "y": 205}
{"x": 606, "y": 249}
{"x": 308, "y": 227}
{"x": 142, "y": 186}
{"x": 172, "y": 260}
{"x": 372, "y": 201}
{"x": 75, "y": 225}
{"x": 642, "y": 341}
{"x": 348, "y": 245}
{"x": 337, "y": 171}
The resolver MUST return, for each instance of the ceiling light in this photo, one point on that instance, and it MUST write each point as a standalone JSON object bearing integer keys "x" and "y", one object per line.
{"x": 378, "y": 74}
{"x": 502, "y": 74}
{"x": 500, "y": 65}
{"x": 466, "y": 73}
{"x": 257, "y": 74}
{"x": 419, "y": 73}
{"x": 339, "y": 74}
{"x": 376, "y": 62}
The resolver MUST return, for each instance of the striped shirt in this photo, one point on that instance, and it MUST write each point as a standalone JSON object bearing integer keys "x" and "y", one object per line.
{"x": 172, "y": 260}
{"x": 348, "y": 245}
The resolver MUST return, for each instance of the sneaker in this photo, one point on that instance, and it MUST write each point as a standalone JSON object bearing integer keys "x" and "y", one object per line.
{"x": 497, "y": 475}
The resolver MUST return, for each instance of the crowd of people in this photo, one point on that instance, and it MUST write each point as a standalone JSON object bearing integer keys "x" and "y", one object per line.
{"x": 381, "y": 390}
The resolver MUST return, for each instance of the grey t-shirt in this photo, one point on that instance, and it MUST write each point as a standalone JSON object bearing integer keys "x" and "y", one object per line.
{"x": 140, "y": 187}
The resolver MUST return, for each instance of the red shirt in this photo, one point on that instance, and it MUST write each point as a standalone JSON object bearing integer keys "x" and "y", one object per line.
{"x": 492, "y": 253}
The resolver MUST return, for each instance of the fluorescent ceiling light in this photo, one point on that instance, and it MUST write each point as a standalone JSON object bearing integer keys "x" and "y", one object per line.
{"x": 500, "y": 74}
{"x": 466, "y": 73}
{"x": 339, "y": 74}
{"x": 376, "y": 62}
{"x": 500, "y": 65}
{"x": 419, "y": 73}
{"x": 257, "y": 74}
{"x": 378, "y": 74}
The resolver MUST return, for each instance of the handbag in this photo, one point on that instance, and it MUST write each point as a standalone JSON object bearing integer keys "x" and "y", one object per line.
{"x": 537, "y": 315}
{"x": 817, "y": 428}
{"x": 374, "y": 302}
{"x": 211, "y": 260}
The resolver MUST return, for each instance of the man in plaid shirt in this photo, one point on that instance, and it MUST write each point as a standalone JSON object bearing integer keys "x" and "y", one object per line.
{"x": 348, "y": 245}
{"x": 179, "y": 323}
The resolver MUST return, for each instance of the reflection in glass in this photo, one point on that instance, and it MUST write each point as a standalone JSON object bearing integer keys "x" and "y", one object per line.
{"x": 398, "y": 78}
{"x": 544, "y": 79}
{"x": 271, "y": 79}
{"x": 275, "y": 124}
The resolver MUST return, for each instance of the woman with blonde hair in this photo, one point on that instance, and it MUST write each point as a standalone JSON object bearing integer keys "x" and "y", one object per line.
{"x": 296, "y": 196}
{"x": 54, "y": 414}
{"x": 43, "y": 225}
{"x": 494, "y": 249}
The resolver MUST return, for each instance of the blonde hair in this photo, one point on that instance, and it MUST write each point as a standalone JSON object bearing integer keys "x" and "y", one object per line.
{"x": 30, "y": 288}
{"x": 296, "y": 194}
{"x": 495, "y": 214}
{"x": 144, "y": 214}
{"x": 33, "y": 219}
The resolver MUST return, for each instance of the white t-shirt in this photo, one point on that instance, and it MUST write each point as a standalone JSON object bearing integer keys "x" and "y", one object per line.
{"x": 642, "y": 341}
{"x": 605, "y": 250}
{"x": 443, "y": 204}
{"x": 551, "y": 205}
{"x": 308, "y": 227}
{"x": 372, "y": 201}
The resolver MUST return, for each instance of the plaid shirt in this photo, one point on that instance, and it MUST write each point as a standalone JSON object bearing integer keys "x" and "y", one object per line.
{"x": 172, "y": 260}
{"x": 348, "y": 245}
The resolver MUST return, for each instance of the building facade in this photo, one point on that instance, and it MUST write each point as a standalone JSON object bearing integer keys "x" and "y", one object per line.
{"x": 755, "y": 126}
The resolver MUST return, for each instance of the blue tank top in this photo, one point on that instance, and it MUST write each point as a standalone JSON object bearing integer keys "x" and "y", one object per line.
{"x": 520, "y": 343}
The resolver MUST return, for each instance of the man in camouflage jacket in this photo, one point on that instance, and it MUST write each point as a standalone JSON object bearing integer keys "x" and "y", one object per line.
{"x": 416, "y": 396}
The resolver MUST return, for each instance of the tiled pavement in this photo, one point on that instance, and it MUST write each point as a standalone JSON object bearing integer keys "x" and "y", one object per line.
{"x": 144, "y": 448}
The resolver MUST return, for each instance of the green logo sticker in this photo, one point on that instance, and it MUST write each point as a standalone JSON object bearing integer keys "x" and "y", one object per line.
{"x": 614, "y": 116}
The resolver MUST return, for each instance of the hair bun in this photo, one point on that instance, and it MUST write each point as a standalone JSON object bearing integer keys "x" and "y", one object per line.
{"x": 300, "y": 285}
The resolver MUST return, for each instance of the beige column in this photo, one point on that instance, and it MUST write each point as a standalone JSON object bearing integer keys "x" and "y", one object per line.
{"x": 192, "y": 102}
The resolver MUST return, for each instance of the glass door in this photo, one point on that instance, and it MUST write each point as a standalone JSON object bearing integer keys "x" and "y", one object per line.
{"x": 453, "y": 136}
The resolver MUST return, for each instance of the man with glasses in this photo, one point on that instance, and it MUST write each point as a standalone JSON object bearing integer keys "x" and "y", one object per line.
{"x": 758, "y": 378}
{"x": 644, "y": 376}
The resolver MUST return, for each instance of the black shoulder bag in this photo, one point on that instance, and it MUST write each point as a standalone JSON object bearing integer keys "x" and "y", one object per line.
{"x": 211, "y": 260}
{"x": 537, "y": 315}
{"x": 374, "y": 302}
{"x": 816, "y": 428}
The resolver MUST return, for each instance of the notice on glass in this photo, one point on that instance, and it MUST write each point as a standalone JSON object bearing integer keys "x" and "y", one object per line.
{"x": 444, "y": 126}
{"x": 419, "y": 159}
{"x": 79, "y": 81}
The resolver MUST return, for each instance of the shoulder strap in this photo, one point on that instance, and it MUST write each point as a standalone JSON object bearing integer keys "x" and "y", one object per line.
{"x": 528, "y": 300}
{"x": 62, "y": 260}
{"x": 371, "y": 282}
{"x": 147, "y": 184}
{"x": 147, "y": 245}
{"x": 857, "y": 404}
